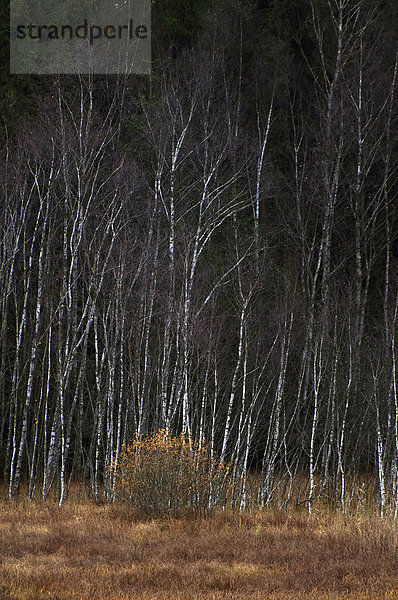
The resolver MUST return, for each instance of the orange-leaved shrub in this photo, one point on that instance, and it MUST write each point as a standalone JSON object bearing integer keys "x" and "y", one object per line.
{"x": 164, "y": 474}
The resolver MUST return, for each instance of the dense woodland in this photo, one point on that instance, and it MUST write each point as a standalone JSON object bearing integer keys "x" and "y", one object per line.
{"x": 211, "y": 249}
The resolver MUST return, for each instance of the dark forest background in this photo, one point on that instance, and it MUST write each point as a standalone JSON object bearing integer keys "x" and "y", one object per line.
{"x": 212, "y": 249}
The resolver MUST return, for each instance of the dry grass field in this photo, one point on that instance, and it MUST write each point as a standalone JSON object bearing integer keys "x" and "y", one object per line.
{"x": 85, "y": 551}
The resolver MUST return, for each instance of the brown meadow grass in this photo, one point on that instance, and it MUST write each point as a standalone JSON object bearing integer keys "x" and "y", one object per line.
{"x": 86, "y": 551}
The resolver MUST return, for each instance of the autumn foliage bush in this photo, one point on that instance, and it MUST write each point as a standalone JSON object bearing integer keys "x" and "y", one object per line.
{"x": 164, "y": 474}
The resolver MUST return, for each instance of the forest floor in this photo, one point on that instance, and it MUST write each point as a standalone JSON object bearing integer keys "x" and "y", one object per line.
{"x": 85, "y": 551}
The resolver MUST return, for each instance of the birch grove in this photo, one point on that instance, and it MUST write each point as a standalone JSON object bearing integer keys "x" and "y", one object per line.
{"x": 213, "y": 252}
